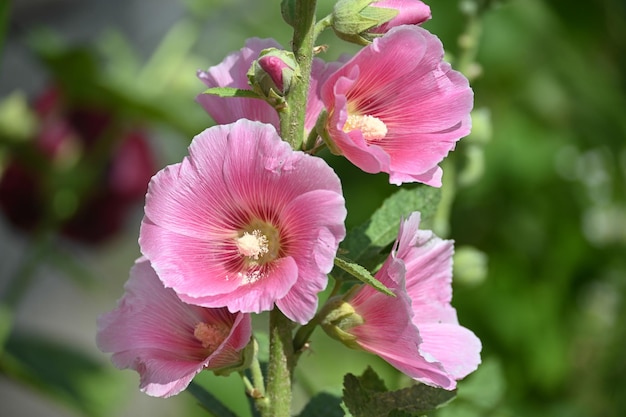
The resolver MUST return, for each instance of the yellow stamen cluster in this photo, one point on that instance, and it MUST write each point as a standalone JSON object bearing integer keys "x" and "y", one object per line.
{"x": 371, "y": 127}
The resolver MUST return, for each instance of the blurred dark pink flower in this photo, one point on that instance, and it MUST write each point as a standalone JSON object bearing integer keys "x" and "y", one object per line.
{"x": 70, "y": 134}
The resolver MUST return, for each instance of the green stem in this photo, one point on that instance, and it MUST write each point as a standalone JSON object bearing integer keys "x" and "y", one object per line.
{"x": 292, "y": 120}
{"x": 304, "y": 333}
{"x": 280, "y": 366}
{"x": 281, "y": 354}
{"x": 322, "y": 25}
{"x": 256, "y": 388}
{"x": 469, "y": 42}
{"x": 27, "y": 272}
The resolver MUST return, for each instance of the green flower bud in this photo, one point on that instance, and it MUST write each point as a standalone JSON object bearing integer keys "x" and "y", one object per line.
{"x": 288, "y": 11}
{"x": 352, "y": 19}
{"x": 273, "y": 73}
{"x": 339, "y": 318}
{"x": 470, "y": 265}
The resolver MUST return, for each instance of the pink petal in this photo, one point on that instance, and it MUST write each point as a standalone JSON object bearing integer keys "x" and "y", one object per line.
{"x": 401, "y": 80}
{"x": 454, "y": 346}
{"x": 232, "y": 73}
{"x": 152, "y": 332}
{"x": 234, "y": 175}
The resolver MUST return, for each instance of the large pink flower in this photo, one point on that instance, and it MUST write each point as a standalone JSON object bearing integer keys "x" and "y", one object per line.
{"x": 232, "y": 72}
{"x": 417, "y": 331}
{"x": 396, "y": 107}
{"x": 245, "y": 222}
{"x": 167, "y": 341}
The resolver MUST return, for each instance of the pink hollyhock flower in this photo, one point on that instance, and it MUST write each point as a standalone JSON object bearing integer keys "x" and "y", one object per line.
{"x": 396, "y": 107}
{"x": 245, "y": 222}
{"x": 417, "y": 331}
{"x": 428, "y": 262}
{"x": 232, "y": 72}
{"x": 167, "y": 341}
{"x": 410, "y": 12}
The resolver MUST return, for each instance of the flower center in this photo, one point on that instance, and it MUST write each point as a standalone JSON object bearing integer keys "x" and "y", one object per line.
{"x": 253, "y": 244}
{"x": 259, "y": 243}
{"x": 371, "y": 127}
{"x": 211, "y": 335}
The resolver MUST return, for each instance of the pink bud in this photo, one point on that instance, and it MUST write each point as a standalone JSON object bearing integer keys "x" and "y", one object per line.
{"x": 274, "y": 67}
{"x": 410, "y": 12}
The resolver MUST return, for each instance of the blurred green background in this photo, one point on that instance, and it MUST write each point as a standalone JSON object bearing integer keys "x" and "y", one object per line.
{"x": 539, "y": 199}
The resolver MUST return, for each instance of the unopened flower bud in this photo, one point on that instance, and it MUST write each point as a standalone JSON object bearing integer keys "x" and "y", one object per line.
{"x": 272, "y": 74}
{"x": 470, "y": 265}
{"x": 288, "y": 11}
{"x": 410, "y": 12}
{"x": 339, "y": 318}
{"x": 360, "y": 21}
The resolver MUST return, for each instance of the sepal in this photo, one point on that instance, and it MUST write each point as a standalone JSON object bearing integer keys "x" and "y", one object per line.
{"x": 351, "y": 20}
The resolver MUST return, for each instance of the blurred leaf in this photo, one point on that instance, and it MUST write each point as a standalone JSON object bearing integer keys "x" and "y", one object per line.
{"x": 231, "y": 92}
{"x": 365, "y": 243}
{"x": 470, "y": 265}
{"x": 76, "y": 69}
{"x": 62, "y": 372}
{"x": 167, "y": 59}
{"x": 362, "y": 274}
{"x": 80, "y": 74}
{"x": 71, "y": 266}
{"x": 17, "y": 120}
{"x": 5, "y": 11}
{"x": 6, "y": 323}
{"x": 480, "y": 393}
{"x": 323, "y": 404}
{"x": 367, "y": 396}
{"x": 209, "y": 401}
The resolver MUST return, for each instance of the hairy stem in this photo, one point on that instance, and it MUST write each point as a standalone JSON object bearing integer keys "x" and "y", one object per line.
{"x": 292, "y": 120}
{"x": 280, "y": 366}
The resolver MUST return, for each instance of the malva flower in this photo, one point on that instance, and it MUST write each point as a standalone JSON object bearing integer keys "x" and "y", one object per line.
{"x": 428, "y": 262}
{"x": 245, "y": 222}
{"x": 233, "y": 72}
{"x": 417, "y": 331}
{"x": 167, "y": 341}
{"x": 396, "y": 107}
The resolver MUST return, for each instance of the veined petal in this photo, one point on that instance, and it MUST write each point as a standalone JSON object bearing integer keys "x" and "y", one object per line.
{"x": 239, "y": 222}
{"x": 153, "y": 332}
{"x": 401, "y": 82}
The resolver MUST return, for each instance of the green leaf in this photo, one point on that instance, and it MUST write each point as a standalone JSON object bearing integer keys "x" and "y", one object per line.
{"x": 365, "y": 244}
{"x": 231, "y": 92}
{"x": 6, "y": 323}
{"x": 5, "y": 11}
{"x": 209, "y": 401}
{"x": 63, "y": 373}
{"x": 367, "y": 396}
{"x": 361, "y": 274}
{"x": 323, "y": 404}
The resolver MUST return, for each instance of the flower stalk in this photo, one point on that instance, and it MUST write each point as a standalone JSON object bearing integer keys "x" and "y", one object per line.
{"x": 280, "y": 366}
{"x": 281, "y": 359}
{"x": 292, "y": 120}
